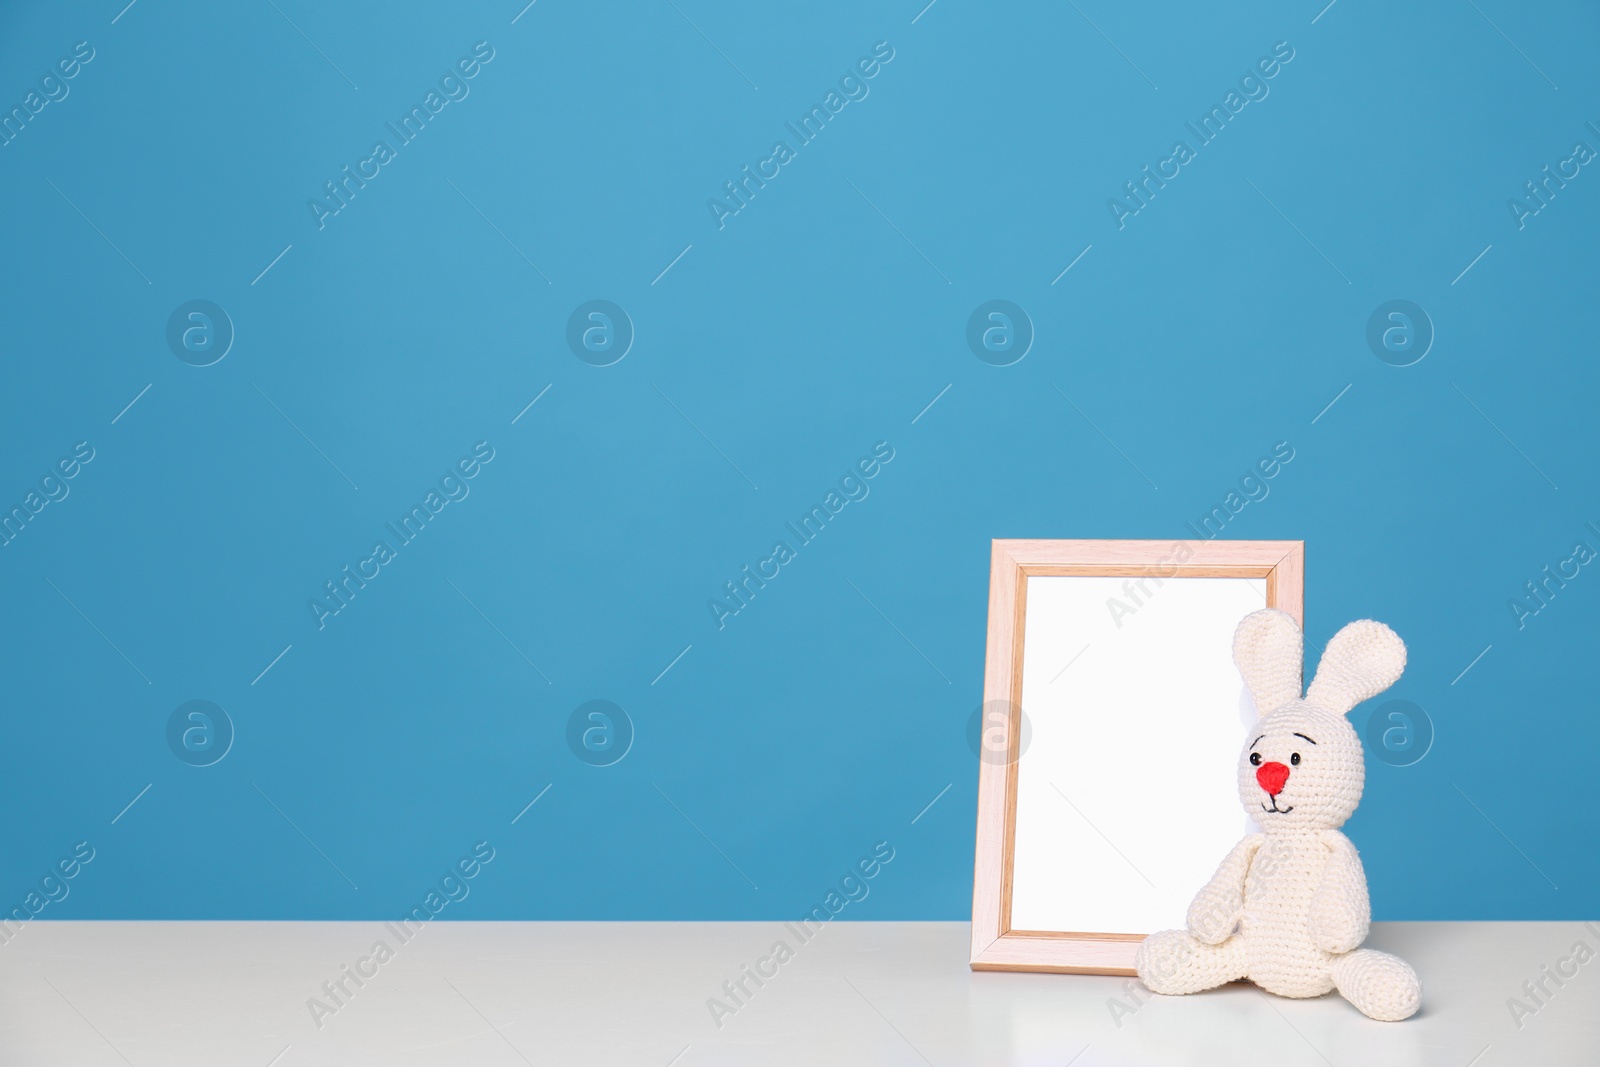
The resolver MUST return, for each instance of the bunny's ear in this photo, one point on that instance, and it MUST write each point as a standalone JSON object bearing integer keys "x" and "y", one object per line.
{"x": 1361, "y": 661}
{"x": 1267, "y": 647}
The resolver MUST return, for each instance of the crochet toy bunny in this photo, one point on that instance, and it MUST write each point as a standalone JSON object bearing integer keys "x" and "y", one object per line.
{"x": 1288, "y": 908}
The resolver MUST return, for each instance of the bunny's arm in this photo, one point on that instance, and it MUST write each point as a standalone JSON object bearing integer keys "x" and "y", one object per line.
{"x": 1216, "y": 908}
{"x": 1340, "y": 910}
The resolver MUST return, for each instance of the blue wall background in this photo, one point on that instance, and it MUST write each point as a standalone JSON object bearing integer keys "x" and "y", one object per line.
{"x": 822, "y": 318}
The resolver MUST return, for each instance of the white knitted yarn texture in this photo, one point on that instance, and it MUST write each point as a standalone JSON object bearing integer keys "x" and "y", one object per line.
{"x": 1288, "y": 907}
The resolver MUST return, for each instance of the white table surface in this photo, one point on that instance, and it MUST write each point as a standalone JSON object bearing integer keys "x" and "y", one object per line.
{"x": 235, "y": 993}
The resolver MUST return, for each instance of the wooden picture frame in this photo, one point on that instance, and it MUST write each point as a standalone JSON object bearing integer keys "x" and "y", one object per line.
{"x": 996, "y": 945}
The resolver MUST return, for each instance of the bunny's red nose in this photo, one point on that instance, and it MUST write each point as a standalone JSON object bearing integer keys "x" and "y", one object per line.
{"x": 1271, "y": 776}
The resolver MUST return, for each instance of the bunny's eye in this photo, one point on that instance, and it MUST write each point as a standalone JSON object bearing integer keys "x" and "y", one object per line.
{"x": 1295, "y": 759}
{"x": 1255, "y": 758}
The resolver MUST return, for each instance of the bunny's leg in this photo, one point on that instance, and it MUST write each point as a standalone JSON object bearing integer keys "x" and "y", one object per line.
{"x": 1382, "y": 986}
{"x": 1173, "y": 962}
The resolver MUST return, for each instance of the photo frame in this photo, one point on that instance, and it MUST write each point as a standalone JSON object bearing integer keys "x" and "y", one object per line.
{"x": 1112, "y": 713}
